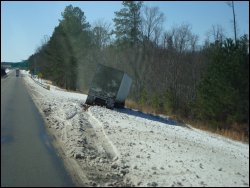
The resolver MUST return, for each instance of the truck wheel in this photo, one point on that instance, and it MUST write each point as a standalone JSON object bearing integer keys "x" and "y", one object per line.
{"x": 110, "y": 105}
{"x": 120, "y": 105}
{"x": 89, "y": 100}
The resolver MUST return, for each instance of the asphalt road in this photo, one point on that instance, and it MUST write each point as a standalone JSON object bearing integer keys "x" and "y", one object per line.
{"x": 27, "y": 156}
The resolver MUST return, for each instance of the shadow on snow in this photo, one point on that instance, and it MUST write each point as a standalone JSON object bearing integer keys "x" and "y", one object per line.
{"x": 151, "y": 117}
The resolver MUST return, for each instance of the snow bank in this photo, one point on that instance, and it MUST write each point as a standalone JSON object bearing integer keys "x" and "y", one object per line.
{"x": 7, "y": 71}
{"x": 115, "y": 148}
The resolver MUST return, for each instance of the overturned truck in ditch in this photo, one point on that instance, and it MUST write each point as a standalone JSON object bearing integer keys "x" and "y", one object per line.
{"x": 109, "y": 87}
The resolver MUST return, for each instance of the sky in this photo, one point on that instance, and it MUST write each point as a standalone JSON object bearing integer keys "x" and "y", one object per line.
{"x": 24, "y": 24}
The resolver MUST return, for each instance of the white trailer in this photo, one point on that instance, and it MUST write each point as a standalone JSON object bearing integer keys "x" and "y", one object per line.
{"x": 109, "y": 87}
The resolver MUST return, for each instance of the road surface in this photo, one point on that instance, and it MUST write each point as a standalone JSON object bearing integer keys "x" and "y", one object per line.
{"x": 27, "y": 156}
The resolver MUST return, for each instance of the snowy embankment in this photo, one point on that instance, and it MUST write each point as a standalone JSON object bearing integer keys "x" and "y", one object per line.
{"x": 7, "y": 71}
{"x": 105, "y": 147}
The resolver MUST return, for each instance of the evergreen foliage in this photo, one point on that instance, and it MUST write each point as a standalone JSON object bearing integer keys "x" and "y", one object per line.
{"x": 223, "y": 94}
{"x": 128, "y": 23}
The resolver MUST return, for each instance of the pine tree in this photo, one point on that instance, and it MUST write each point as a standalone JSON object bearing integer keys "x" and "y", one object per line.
{"x": 223, "y": 93}
{"x": 67, "y": 42}
{"x": 127, "y": 23}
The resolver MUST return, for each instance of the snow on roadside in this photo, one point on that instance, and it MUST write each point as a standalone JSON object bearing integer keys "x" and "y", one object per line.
{"x": 163, "y": 155}
{"x": 118, "y": 149}
{"x": 7, "y": 71}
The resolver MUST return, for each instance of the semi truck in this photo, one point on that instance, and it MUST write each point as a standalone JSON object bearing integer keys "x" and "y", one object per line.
{"x": 17, "y": 72}
{"x": 109, "y": 87}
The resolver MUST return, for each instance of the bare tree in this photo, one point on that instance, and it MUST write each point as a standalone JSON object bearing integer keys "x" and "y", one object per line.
{"x": 231, "y": 4}
{"x": 193, "y": 42}
{"x": 102, "y": 32}
{"x": 217, "y": 33}
{"x": 168, "y": 40}
{"x": 181, "y": 38}
{"x": 157, "y": 35}
{"x": 152, "y": 21}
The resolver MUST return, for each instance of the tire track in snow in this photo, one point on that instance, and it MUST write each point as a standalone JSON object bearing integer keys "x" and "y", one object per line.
{"x": 108, "y": 144}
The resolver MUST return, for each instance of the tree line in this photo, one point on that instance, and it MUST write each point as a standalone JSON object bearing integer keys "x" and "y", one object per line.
{"x": 170, "y": 72}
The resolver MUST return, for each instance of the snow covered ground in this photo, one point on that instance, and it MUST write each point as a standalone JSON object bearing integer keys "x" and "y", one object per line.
{"x": 103, "y": 147}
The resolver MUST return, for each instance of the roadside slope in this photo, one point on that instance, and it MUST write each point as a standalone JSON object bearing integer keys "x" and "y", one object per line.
{"x": 111, "y": 148}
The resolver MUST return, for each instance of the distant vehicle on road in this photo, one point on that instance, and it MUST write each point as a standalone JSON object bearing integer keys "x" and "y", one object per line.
{"x": 109, "y": 87}
{"x": 17, "y": 72}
